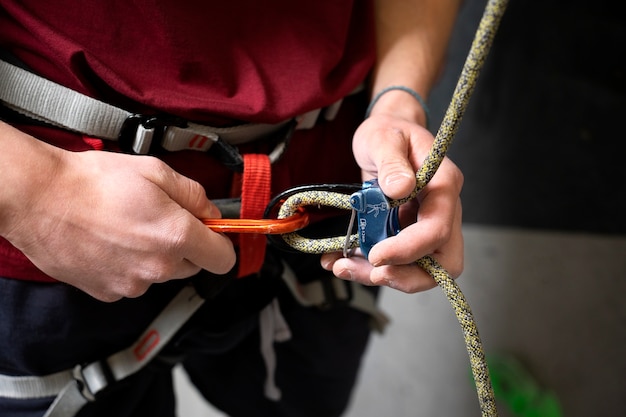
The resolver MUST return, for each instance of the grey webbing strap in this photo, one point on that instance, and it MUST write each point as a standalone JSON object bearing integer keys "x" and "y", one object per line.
{"x": 75, "y": 387}
{"x": 313, "y": 294}
{"x": 69, "y": 401}
{"x": 46, "y": 101}
{"x": 272, "y": 328}
{"x": 20, "y": 387}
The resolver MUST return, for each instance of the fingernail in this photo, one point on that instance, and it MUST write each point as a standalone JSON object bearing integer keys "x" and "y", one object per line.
{"x": 327, "y": 265}
{"x": 214, "y": 212}
{"x": 345, "y": 274}
{"x": 375, "y": 262}
{"x": 377, "y": 280}
{"x": 397, "y": 177}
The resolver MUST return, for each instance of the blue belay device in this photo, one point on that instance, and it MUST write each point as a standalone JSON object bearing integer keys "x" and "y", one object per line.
{"x": 377, "y": 220}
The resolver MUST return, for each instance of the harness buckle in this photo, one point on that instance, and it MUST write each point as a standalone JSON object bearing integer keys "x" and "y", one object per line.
{"x": 93, "y": 378}
{"x": 377, "y": 220}
{"x": 142, "y": 134}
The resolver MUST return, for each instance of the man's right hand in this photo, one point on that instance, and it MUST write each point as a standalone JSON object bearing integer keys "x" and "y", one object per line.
{"x": 109, "y": 224}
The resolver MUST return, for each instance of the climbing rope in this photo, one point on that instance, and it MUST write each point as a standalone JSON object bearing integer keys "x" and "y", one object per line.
{"x": 479, "y": 49}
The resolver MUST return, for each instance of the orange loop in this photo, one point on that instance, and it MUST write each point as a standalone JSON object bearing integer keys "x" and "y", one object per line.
{"x": 289, "y": 224}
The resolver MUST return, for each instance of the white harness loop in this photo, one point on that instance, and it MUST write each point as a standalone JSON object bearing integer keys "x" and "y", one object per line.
{"x": 75, "y": 387}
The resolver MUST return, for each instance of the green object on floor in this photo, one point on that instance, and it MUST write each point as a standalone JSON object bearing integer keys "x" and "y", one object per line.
{"x": 514, "y": 386}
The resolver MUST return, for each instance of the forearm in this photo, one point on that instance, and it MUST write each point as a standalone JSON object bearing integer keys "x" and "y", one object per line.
{"x": 412, "y": 38}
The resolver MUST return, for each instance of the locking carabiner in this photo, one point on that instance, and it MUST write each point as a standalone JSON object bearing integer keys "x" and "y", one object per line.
{"x": 377, "y": 219}
{"x": 297, "y": 221}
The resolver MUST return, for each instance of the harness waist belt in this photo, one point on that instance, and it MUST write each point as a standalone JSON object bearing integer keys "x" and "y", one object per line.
{"x": 43, "y": 100}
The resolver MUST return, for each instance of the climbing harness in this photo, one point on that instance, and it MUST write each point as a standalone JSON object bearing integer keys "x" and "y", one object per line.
{"x": 75, "y": 387}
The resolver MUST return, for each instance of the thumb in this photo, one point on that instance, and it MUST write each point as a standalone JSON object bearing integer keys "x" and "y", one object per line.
{"x": 396, "y": 179}
{"x": 189, "y": 194}
{"x": 384, "y": 152}
{"x": 202, "y": 247}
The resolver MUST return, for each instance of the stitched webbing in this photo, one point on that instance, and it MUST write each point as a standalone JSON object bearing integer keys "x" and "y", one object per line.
{"x": 255, "y": 194}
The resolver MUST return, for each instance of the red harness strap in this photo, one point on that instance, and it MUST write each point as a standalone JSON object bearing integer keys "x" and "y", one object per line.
{"x": 255, "y": 195}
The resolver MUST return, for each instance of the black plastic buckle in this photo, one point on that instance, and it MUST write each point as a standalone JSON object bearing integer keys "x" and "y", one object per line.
{"x": 128, "y": 132}
{"x": 230, "y": 156}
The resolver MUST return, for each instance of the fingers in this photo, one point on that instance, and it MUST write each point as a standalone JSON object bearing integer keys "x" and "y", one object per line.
{"x": 189, "y": 194}
{"x": 408, "y": 278}
{"x": 192, "y": 240}
{"x": 396, "y": 175}
{"x": 438, "y": 225}
{"x": 113, "y": 224}
{"x": 381, "y": 147}
{"x": 190, "y": 247}
{"x": 206, "y": 249}
{"x": 392, "y": 261}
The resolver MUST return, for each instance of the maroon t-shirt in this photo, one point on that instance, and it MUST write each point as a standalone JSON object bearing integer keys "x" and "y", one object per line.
{"x": 218, "y": 63}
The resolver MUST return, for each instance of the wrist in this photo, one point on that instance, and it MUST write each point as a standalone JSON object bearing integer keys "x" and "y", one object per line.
{"x": 27, "y": 166}
{"x": 400, "y": 101}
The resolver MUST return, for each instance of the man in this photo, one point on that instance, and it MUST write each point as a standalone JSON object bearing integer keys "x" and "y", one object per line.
{"x": 97, "y": 241}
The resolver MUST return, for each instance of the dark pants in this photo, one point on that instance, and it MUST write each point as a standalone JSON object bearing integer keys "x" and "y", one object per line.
{"x": 45, "y": 328}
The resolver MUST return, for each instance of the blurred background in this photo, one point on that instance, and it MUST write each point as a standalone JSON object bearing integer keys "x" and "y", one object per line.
{"x": 542, "y": 147}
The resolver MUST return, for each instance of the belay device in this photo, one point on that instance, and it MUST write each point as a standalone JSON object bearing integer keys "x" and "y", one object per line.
{"x": 377, "y": 220}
